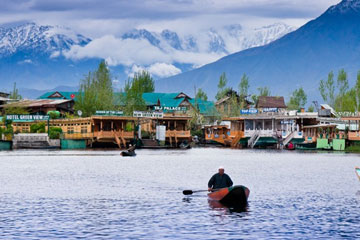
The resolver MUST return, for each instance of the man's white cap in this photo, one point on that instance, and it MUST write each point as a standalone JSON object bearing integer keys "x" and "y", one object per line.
{"x": 221, "y": 167}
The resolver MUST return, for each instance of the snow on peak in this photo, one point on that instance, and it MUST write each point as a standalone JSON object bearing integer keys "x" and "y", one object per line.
{"x": 38, "y": 38}
{"x": 346, "y": 6}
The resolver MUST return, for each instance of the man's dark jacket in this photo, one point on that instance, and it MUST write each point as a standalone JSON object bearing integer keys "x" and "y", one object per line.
{"x": 220, "y": 181}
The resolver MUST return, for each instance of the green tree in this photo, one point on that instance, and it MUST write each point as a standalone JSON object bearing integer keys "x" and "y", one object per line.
{"x": 15, "y": 93}
{"x": 263, "y": 91}
{"x": 311, "y": 108}
{"x": 234, "y": 106}
{"x": 244, "y": 86}
{"x": 327, "y": 89}
{"x": 298, "y": 99}
{"x": 96, "y": 91}
{"x": 222, "y": 89}
{"x": 14, "y": 110}
{"x": 343, "y": 86}
{"x": 200, "y": 94}
{"x": 357, "y": 91}
{"x": 131, "y": 98}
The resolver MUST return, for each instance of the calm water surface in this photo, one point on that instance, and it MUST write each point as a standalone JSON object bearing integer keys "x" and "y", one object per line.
{"x": 100, "y": 195}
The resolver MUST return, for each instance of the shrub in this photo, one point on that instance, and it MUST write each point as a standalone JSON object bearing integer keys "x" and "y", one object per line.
{"x": 129, "y": 127}
{"x": 55, "y": 132}
{"x": 38, "y": 128}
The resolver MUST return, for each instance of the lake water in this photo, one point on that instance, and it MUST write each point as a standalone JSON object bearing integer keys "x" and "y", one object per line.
{"x": 100, "y": 195}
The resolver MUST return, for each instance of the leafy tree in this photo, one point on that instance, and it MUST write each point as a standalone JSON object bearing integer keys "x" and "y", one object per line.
{"x": 357, "y": 91}
{"x": 201, "y": 95}
{"x": 143, "y": 82}
{"x": 14, "y": 110}
{"x": 235, "y": 106}
{"x": 15, "y": 93}
{"x": 343, "y": 95}
{"x": 342, "y": 82}
{"x": 311, "y": 108}
{"x": 131, "y": 98}
{"x": 263, "y": 91}
{"x": 244, "y": 86}
{"x": 96, "y": 92}
{"x": 222, "y": 89}
{"x": 298, "y": 99}
{"x": 327, "y": 89}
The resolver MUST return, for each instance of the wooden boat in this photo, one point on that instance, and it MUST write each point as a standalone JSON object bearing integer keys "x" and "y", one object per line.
{"x": 235, "y": 196}
{"x": 357, "y": 170}
{"x": 128, "y": 154}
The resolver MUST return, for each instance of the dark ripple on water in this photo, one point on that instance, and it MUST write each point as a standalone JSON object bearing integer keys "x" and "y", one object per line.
{"x": 102, "y": 196}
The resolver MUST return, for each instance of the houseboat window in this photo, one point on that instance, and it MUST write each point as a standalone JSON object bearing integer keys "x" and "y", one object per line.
{"x": 249, "y": 124}
{"x": 70, "y": 130}
{"x": 258, "y": 125}
{"x": 268, "y": 124}
{"x": 83, "y": 129}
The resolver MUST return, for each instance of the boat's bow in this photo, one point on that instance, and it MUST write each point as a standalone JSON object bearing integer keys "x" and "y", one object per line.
{"x": 232, "y": 196}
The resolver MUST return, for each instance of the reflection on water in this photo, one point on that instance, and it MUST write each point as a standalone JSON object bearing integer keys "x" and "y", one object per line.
{"x": 99, "y": 195}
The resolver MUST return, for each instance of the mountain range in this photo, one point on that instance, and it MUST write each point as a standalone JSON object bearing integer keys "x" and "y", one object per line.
{"x": 37, "y": 57}
{"x": 299, "y": 59}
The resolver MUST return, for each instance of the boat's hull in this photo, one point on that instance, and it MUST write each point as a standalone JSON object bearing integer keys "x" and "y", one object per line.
{"x": 128, "y": 154}
{"x": 235, "y": 196}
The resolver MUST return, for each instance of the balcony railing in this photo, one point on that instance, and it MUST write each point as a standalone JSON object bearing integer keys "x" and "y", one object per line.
{"x": 112, "y": 134}
{"x": 174, "y": 133}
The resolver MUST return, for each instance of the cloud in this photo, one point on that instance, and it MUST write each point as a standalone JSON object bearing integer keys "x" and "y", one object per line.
{"x": 163, "y": 70}
{"x": 157, "y": 69}
{"x": 117, "y": 51}
{"x": 26, "y": 61}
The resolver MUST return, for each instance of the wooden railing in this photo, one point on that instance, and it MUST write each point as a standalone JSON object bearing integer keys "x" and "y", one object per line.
{"x": 111, "y": 134}
{"x": 77, "y": 135}
{"x": 179, "y": 134}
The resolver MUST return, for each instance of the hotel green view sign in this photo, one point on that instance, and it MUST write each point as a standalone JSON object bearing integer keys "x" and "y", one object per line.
{"x": 27, "y": 117}
{"x": 109, "y": 113}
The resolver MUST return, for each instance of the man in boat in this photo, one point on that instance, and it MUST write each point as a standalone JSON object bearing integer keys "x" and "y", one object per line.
{"x": 131, "y": 148}
{"x": 219, "y": 180}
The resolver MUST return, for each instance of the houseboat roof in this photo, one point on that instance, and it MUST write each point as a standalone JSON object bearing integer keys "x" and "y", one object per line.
{"x": 321, "y": 126}
{"x": 270, "y": 102}
{"x": 36, "y": 103}
{"x": 270, "y": 116}
{"x": 113, "y": 117}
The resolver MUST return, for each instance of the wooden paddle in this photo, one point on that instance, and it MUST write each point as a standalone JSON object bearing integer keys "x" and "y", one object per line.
{"x": 189, "y": 192}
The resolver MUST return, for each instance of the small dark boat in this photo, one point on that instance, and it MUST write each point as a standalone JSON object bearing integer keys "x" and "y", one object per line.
{"x": 235, "y": 196}
{"x": 128, "y": 153}
{"x": 185, "y": 145}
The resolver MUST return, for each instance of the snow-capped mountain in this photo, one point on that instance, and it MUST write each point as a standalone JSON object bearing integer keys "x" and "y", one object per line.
{"x": 44, "y": 55}
{"x": 34, "y": 38}
{"x": 299, "y": 59}
{"x": 229, "y": 39}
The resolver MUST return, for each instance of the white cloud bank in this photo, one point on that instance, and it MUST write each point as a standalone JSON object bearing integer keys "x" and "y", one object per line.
{"x": 156, "y": 69}
{"x": 117, "y": 51}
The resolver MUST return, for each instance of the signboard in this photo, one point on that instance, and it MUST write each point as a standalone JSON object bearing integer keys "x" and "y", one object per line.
{"x": 287, "y": 122}
{"x": 249, "y": 111}
{"x": 109, "y": 113}
{"x": 27, "y": 117}
{"x": 269, "y": 109}
{"x": 169, "y": 109}
{"x": 141, "y": 114}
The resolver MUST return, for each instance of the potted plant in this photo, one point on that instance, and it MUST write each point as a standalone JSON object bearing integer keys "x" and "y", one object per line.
{"x": 337, "y": 133}
{"x": 320, "y": 131}
{"x": 327, "y": 132}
